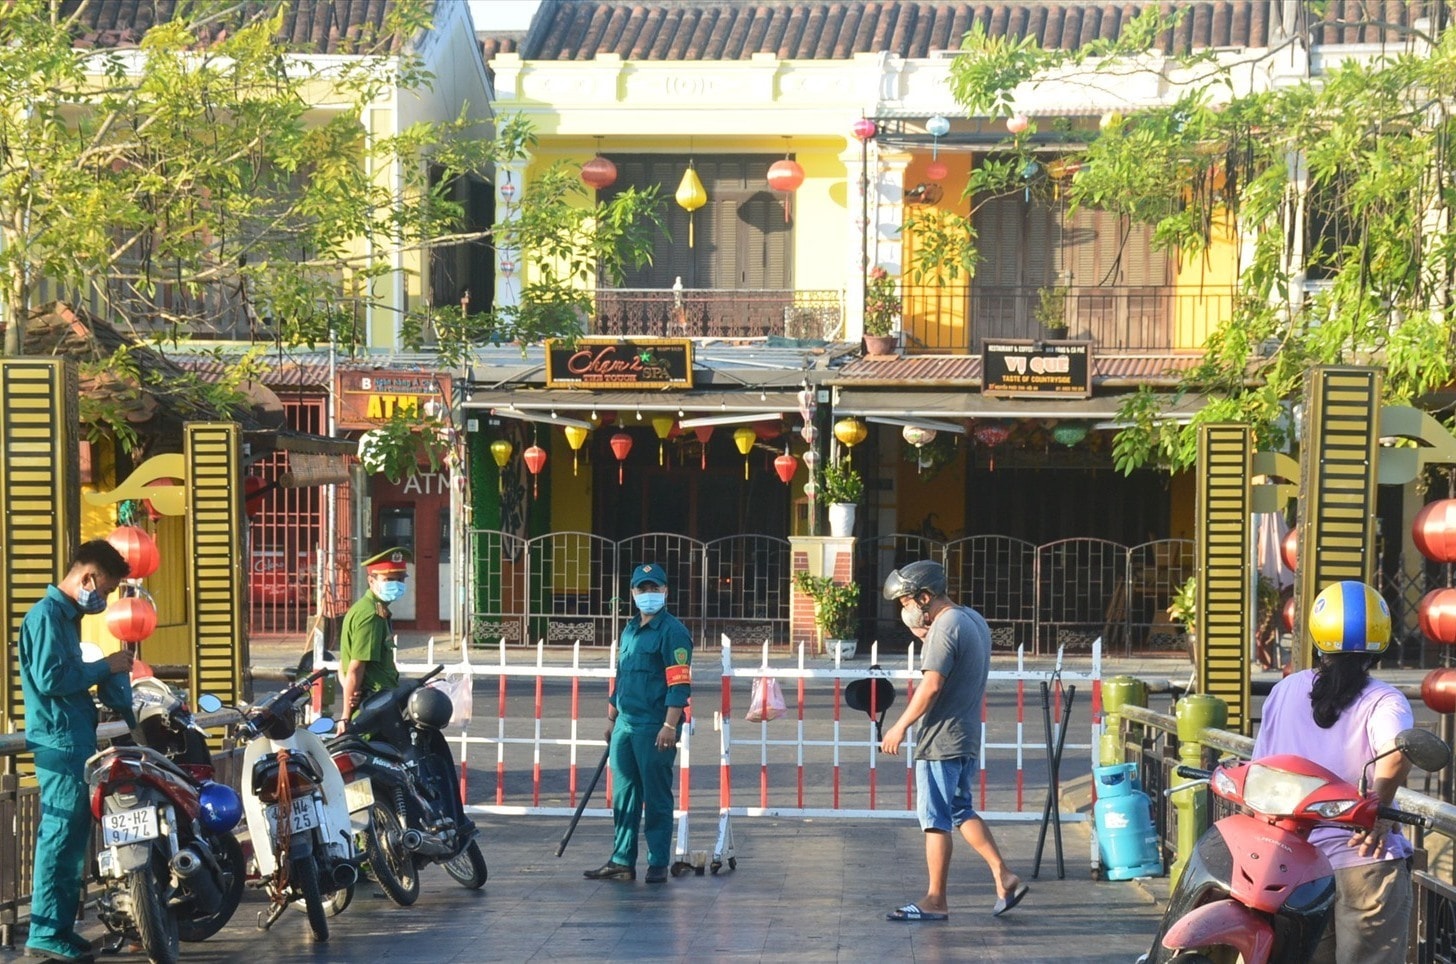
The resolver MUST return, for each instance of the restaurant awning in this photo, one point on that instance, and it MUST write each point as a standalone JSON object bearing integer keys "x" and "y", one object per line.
{"x": 952, "y": 405}
{"x": 534, "y": 401}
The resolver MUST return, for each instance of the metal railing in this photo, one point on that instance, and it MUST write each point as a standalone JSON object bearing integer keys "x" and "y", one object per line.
{"x": 1149, "y": 739}
{"x": 726, "y": 313}
{"x": 563, "y": 587}
{"x": 960, "y": 318}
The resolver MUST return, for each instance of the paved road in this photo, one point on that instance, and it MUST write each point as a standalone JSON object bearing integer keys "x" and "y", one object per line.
{"x": 802, "y": 891}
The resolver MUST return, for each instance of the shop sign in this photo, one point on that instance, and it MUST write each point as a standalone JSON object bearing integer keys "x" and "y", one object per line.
{"x": 1060, "y": 368}
{"x": 619, "y": 363}
{"x": 367, "y": 399}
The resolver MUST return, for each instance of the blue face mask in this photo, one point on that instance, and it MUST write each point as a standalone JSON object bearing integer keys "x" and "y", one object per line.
{"x": 650, "y": 602}
{"x": 389, "y": 591}
{"x": 90, "y": 601}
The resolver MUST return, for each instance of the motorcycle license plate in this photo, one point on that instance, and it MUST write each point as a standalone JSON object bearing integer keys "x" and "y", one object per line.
{"x": 359, "y": 795}
{"x": 129, "y": 826}
{"x": 304, "y": 815}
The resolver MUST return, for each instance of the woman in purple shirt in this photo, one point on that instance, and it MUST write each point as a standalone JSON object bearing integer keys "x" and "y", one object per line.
{"x": 1341, "y": 718}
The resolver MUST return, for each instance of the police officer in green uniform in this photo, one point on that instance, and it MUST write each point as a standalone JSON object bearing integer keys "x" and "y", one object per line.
{"x": 366, "y": 639}
{"x": 644, "y": 716}
{"x": 60, "y": 729}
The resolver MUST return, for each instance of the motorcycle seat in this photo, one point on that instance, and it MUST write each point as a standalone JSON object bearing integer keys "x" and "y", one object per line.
{"x": 366, "y": 746}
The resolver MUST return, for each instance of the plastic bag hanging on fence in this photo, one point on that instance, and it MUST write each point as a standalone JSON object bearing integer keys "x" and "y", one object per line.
{"x": 458, "y": 687}
{"x": 766, "y": 701}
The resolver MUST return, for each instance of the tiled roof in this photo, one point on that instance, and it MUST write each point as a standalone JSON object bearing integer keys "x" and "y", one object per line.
{"x": 817, "y": 30}
{"x": 966, "y": 369}
{"x": 309, "y": 26}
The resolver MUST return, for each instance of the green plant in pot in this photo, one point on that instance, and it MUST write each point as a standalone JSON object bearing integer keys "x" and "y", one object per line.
{"x": 842, "y": 488}
{"x": 1184, "y": 608}
{"x": 881, "y": 309}
{"x": 836, "y": 608}
{"x": 1051, "y": 310}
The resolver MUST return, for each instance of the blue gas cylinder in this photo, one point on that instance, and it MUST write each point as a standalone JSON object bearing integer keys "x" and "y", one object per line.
{"x": 1126, "y": 837}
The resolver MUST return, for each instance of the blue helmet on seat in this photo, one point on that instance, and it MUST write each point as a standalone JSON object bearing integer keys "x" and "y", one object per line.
{"x": 221, "y": 806}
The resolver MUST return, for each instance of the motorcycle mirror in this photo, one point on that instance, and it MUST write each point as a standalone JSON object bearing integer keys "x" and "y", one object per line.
{"x": 208, "y": 703}
{"x": 322, "y": 725}
{"x": 1423, "y": 748}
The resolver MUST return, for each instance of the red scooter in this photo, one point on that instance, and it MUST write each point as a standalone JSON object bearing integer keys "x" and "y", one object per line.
{"x": 1235, "y": 900}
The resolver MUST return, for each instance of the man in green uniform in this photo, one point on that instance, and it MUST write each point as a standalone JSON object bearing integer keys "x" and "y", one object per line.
{"x": 60, "y": 729}
{"x": 366, "y": 639}
{"x": 644, "y": 716}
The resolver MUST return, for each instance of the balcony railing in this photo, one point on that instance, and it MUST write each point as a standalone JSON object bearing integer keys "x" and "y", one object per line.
{"x": 704, "y": 313}
{"x": 1115, "y": 319}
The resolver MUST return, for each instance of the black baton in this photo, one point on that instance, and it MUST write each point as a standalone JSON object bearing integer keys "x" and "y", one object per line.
{"x": 585, "y": 797}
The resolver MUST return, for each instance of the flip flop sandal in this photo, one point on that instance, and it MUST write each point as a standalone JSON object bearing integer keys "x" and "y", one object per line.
{"x": 1003, "y": 904}
{"x": 912, "y": 912}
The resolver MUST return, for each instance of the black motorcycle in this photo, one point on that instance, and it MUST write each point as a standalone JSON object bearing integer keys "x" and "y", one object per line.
{"x": 398, "y": 766}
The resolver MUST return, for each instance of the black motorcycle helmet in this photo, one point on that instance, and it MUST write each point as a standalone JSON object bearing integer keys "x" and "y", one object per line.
{"x": 430, "y": 707}
{"x": 916, "y": 578}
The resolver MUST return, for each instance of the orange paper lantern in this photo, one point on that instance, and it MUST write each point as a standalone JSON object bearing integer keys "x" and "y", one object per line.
{"x": 1289, "y": 549}
{"x": 1433, "y": 530}
{"x": 621, "y": 444}
{"x": 786, "y": 466}
{"x": 598, "y": 173}
{"x": 132, "y": 619}
{"x": 1438, "y": 690}
{"x": 1437, "y": 612}
{"x": 704, "y": 432}
{"x": 138, "y": 548}
{"x": 535, "y": 459}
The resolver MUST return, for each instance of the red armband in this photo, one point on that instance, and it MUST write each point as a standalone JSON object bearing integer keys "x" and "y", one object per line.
{"x": 679, "y": 674}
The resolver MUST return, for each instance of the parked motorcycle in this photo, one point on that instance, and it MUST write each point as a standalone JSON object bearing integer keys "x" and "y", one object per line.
{"x": 170, "y": 867}
{"x": 293, "y": 798}
{"x": 400, "y": 771}
{"x": 1232, "y": 901}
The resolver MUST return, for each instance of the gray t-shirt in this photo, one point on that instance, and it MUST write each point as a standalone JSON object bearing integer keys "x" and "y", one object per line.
{"x": 959, "y": 648}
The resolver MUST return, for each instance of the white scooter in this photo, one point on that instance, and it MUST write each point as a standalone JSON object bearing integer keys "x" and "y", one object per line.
{"x": 296, "y": 810}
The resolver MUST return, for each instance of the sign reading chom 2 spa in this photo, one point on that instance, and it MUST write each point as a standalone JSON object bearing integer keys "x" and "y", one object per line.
{"x": 618, "y": 363}
{"x": 1011, "y": 367}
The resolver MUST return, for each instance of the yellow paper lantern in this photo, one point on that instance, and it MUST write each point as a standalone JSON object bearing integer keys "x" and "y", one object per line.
{"x": 575, "y": 437}
{"x": 500, "y": 450}
{"x": 744, "y": 439}
{"x": 850, "y": 431}
{"x": 690, "y": 196}
{"x": 662, "y": 425}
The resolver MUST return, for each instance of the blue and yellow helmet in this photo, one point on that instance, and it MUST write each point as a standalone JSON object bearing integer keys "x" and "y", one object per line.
{"x": 1349, "y": 617}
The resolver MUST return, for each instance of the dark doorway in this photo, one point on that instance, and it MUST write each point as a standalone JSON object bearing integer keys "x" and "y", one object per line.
{"x": 1040, "y": 504}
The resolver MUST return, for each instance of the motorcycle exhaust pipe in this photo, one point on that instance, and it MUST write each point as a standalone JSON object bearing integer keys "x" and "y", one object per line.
{"x": 412, "y": 839}
{"x": 345, "y": 875}
{"x": 194, "y": 875}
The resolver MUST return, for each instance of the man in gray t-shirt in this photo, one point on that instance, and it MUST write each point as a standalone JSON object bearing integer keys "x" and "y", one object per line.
{"x": 955, "y": 664}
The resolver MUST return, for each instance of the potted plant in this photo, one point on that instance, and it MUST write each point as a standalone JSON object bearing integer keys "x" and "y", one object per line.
{"x": 843, "y": 488}
{"x": 881, "y": 309}
{"x": 1184, "y": 610}
{"x": 836, "y": 612}
{"x": 1051, "y": 310}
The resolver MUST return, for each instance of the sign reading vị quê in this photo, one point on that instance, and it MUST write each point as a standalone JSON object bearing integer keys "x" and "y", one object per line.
{"x": 619, "y": 363}
{"x": 1015, "y": 367}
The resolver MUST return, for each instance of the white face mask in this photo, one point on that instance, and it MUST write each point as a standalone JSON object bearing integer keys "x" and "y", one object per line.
{"x": 914, "y": 617}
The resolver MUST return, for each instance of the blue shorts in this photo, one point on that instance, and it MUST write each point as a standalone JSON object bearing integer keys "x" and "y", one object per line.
{"x": 943, "y": 792}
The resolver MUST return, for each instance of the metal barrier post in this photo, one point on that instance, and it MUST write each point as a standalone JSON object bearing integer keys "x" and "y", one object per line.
{"x": 1194, "y": 713}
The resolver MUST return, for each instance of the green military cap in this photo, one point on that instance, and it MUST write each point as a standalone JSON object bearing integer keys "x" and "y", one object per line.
{"x": 390, "y": 560}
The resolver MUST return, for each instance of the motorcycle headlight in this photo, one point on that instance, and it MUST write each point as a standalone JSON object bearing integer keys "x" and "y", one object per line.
{"x": 1332, "y": 808}
{"x": 1277, "y": 792}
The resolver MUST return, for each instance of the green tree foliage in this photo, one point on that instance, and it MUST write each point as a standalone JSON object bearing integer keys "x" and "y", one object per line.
{"x": 1364, "y": 150}
{"x": 208, "y": 178}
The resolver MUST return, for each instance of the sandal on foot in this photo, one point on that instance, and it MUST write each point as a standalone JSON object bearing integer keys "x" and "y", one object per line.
{"x": 1003, "y": 904}
{"x": 912, "y": 912}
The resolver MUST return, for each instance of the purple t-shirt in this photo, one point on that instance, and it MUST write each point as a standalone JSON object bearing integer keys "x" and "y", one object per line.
{"x": 1365, "y": 727}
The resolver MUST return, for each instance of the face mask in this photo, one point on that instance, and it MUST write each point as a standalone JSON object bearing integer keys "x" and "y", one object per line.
{"x": 650, "y": 602}
{"x": 914, "y": 617}
{"x": 90, "y": 601}
{"x": 389, "y": 591}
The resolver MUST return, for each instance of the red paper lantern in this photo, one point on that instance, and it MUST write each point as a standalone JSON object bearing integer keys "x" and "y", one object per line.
{"x": 252, "y": 501}
{"x": 535, "y": 459}
{"x": 1287, "y": 615}
{"x": 621, "y": 443}
{"x": 864, "y": 129}
{"x": 599, "y": 173}
{"x": 768, "y": 430}
{"x": 786, "y": 466}
{"x": 936, "y": 170}
{"x": 1289, "y": 548}
{"x": 1434, "y": 530}
{"x": 132, "y": 619}
{"x": 704, "y": 432}
{"x": 138, "y": 548}
{"x": 1437, "y": 612}
{"x": 786, "y": 176}
{"x": 1438, "y": 690}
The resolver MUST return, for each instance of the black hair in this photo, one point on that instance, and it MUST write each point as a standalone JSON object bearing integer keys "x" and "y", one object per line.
{"x": 1339, "y": 679}
{"x": 104, "y": 556}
